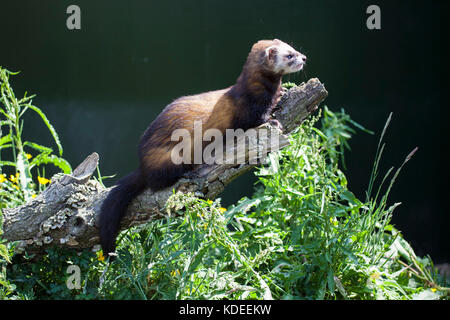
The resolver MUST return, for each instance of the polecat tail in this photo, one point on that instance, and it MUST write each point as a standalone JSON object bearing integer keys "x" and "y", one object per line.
{"x": 115, "y": 206}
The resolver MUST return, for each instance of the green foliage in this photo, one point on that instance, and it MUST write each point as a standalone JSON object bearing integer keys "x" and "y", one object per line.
{"x": 288, "y": 85}
{"x": 23, "y": 157}
{"x": 302, "y": 235}
{"x": 46, "y": 277}
{"x": 337, "y": 129}
{"x": 193, "y": 256}
{"x": 20, "y": 159}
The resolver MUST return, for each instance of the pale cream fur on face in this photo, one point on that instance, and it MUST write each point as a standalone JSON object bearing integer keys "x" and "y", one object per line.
{"x": 287, "y": 59}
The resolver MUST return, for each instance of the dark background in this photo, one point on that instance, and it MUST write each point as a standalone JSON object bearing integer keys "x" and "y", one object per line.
{"x": 102, "y": 85}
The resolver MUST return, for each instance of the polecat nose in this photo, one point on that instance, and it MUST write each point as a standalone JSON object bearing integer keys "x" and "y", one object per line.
{"x": 304, "y": 58}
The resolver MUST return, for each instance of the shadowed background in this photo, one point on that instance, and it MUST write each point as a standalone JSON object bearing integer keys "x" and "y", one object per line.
{"x": 101, "y": 86}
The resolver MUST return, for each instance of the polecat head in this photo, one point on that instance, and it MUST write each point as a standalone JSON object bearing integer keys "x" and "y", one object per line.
{"x": 277, "y": 57}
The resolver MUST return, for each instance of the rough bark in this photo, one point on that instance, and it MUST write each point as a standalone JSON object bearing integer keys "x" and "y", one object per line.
{"x": 65, "y": 214}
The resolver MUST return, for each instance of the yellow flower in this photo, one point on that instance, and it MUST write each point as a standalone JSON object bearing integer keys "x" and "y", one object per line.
{"x": 433, "y": 289}
{"x": 374, "y": 276}
{"x": 222, "y": 210}
{"x": 29, "y": 156}
{"x": 33, "y": 196}
{"x": 14, "y": 179}
{"x": 334, "y": 222}
{"x": 209, "y": 202}
{"x": 43, "y": 180}
{"x": 100, "y": 256}
{"x": 2, "y": 178}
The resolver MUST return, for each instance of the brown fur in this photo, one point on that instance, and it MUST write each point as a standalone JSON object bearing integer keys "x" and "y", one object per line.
{"x": 222, "y": 109}
{"x": 244, "y": 105}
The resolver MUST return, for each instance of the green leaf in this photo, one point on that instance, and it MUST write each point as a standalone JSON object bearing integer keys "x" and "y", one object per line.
{"x": 49, "y": 126}
{"x": 330, "y": 280}
{"x": 25, "y": 177}
{"x": 7, "y": 163}
{"x": 404, "y": 249}
{"x": 4, "y": 253}
{"x": 55, "y": 160}
{"x": 197, "y": 257}
{"x": 244, "y": 206}
{"x": 5, "y": 146}
{"x": 38, "y": 147}
{"x": 5, "y": 139}
{"x": 8, "y": 116}
{"x": 321, "y": 290}
{"x": 360, "y": 127}
{"x": 350, "y": 197}
{"x": 320, "y": 133}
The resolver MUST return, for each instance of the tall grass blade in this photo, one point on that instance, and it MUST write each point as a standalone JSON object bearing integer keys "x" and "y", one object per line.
{"x": 49, "y": 126}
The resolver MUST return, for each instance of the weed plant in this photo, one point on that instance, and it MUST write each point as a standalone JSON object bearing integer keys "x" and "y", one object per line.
{"x": 22, "y": 162}
{"x": 302, "y": 235}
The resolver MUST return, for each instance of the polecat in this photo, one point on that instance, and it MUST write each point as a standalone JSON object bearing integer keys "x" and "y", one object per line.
{"x": 246, "y": 104}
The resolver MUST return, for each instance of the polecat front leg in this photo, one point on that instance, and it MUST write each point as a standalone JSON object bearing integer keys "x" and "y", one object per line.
{"x": 275, "y": 123}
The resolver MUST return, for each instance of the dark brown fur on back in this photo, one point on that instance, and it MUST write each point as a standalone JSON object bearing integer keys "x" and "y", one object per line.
{"x": 244, "y": 105}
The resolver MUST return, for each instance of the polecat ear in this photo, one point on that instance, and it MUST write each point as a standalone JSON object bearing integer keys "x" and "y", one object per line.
{"x": 271, "y": 53}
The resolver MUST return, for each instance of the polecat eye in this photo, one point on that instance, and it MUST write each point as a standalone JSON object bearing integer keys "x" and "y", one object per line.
{"x": 289, "y": 56}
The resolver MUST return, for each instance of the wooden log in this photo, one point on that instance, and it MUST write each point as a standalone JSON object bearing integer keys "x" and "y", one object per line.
{"x": 66, "y": 213}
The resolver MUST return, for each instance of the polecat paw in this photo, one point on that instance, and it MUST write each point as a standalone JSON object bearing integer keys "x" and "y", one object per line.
{"x": 275, "y": 123}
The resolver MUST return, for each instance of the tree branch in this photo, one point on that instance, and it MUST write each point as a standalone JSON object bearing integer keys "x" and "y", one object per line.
{"x": 66, "y": 213}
